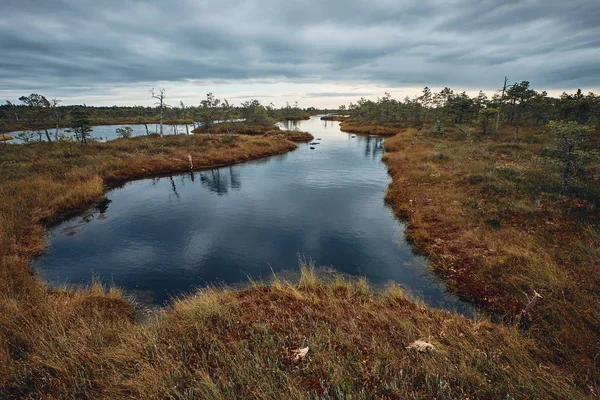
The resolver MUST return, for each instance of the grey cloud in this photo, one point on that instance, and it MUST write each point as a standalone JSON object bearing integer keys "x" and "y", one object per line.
{"x": 86, "y": 44}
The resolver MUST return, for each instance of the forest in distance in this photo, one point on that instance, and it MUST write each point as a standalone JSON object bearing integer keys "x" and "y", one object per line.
{"x": 516, "y": 103}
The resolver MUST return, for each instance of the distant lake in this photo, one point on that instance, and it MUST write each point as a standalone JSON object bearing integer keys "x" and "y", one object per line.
{"x": 109, "y": 132}
{"x": 162, "y": 237}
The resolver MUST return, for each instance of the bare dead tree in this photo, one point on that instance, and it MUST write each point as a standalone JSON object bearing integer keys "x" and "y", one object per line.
{"x": 500, "y": 105}
{"x": 54, "y": 104}
{"x": 8, "y": 103}
{"x": 183, "y": 116}
{"x": 161, "y": 102}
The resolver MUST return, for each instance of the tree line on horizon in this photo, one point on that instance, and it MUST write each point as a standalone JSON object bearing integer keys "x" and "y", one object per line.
{"x": 40, "y": 119}
{"x": 570, "y": 122}
{"x": 515, "y": 104}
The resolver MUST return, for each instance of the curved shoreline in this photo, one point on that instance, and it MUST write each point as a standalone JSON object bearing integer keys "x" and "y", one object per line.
{"x": 105, "y": 165}
{"x": 116, "y": 183}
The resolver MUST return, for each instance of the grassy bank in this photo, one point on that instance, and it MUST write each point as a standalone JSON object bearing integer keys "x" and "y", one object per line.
{"x": 498, "y": 225}
{"x": 240, "y": 344}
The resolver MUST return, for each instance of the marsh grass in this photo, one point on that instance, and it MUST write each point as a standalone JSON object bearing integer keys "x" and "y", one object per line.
{"x": 499, "y": 225}
{"x": 295, "y": 136}
{"x": 351, "y": 126}
{"x": 222, "y": 343}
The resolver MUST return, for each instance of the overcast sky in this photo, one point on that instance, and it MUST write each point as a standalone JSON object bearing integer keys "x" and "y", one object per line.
{"x": 321, "y": 53}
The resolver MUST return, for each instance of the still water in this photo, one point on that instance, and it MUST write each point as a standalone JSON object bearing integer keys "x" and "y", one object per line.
{"x": 162, "y": 237}
{"x": 103, "y": 133}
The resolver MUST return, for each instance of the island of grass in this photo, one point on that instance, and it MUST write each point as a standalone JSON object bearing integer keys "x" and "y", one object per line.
{"x": 362, "y": 128}
{"x": 339, "y": 118}
{"x": 302, "y": 117}
{"x": 245, "y": 128}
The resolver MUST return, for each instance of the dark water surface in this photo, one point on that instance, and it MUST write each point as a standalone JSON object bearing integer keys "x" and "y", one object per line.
{"x": 162, "y": 237}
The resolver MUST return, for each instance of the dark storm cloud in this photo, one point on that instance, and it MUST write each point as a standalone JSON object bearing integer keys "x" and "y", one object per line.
{"x": 72, "y": 44}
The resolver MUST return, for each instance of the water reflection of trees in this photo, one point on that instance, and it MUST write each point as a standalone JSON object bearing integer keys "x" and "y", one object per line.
{"x": 174, "y": 188}
{"x": 373, "y": 146}
{"x": 290, "y": 125}
{"x": 221, "y": 180}
{"x": 98, "y": 212}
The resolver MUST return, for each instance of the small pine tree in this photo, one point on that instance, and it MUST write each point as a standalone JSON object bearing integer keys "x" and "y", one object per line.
{"x": 81, "y": 125}
{"x": 485, "y": 114}
{"x": 124, "y": 132}
{"x": 438, "y": 128}
{"x": 572, "y": 147}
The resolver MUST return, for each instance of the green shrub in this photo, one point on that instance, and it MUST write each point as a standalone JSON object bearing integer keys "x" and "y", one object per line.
{"x": 438, "y": 128}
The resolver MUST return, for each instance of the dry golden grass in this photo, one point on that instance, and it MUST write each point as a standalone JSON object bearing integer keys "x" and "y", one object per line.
{"x": 351, "y": 126}
{"x": 238, "y": 128}
{"x": 295, "y": 136}
{"x": 220, "y": 343}
{"x": 497, "y": 226}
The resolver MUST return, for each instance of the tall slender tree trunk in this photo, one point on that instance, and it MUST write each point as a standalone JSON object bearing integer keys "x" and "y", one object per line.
{"x": 161, "y": 102}
{"x": 43, "y": 121}
{"x": 161, "y": 119}
{"x": 516, "y": 138}
{"x": 500, "y": 106}
{"x": 57, "y": 125}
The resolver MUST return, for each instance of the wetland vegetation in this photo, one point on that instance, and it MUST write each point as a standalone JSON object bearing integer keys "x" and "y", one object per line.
{"x": 500, "y": 193}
